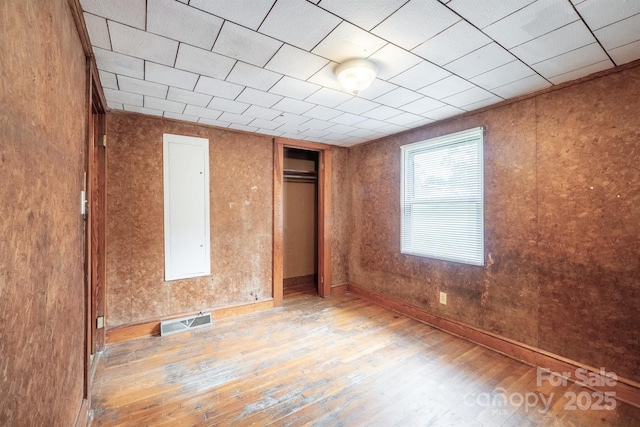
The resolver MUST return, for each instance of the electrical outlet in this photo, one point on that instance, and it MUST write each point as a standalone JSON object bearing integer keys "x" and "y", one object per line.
{"x": 443, "y": 298}
{"x": 100, "y": 322}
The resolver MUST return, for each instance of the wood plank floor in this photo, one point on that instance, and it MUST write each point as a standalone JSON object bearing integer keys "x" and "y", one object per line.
{"x": 340, "y": 361}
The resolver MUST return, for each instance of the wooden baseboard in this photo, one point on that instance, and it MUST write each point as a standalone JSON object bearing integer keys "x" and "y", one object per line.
{"x": 152, "y": 328}
{"x": 625, "y": 390}
{"x": 339, "y": 289}
{"x": 82, "y": 420}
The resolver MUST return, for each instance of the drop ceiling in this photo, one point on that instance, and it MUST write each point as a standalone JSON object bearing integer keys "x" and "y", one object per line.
{"x": 266, "y": 66}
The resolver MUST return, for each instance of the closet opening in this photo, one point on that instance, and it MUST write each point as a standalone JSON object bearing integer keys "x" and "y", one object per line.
{"x": 300, "y": 221}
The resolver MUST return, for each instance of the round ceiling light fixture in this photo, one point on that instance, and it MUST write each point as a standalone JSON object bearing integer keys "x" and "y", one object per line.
{"x": 356, "y": 74}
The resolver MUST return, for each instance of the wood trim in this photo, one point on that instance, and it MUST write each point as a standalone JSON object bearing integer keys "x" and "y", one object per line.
{"x": 314, "y": 146}
{"x": 152, "y": 328}
{"x": 625, "y": 390}
{"x": 299, "y": 280}
{"x": 339, "y": 289}
{"x": 78, "y": 19}
{"x": 82, "y": 420}
{"x": 278, "y": 224}
{"x": 324, "y": 224}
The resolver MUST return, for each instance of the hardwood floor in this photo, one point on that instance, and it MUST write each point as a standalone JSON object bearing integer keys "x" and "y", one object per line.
{"x": 340, "y": 361}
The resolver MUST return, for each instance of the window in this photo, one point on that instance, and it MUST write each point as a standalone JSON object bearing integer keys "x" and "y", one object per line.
{"x": 442, "y": 198}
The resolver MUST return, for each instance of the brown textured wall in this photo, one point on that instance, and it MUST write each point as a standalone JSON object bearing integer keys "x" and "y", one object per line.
{"x": 340, "y": 208}
{"x": 42, "y": 146}
{"x": 241, "y": 187}
{"x": 562, "y": 202}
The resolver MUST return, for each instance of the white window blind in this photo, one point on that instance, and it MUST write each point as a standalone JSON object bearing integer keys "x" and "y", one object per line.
{"x": 442, "y": 198}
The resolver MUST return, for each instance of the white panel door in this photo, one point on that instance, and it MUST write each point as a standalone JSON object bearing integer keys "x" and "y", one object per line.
{"x": 186, "y": 207}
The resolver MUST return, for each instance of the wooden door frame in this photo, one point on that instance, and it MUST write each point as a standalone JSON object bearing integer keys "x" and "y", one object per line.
{"x": 323, "y": 211}
{"x": 95, "y": 265}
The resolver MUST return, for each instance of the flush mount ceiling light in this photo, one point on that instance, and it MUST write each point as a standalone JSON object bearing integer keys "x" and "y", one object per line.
{"x": 356, "y": 74}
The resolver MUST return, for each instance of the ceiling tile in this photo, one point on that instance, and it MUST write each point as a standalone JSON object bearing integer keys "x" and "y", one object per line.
{"x": 522, "y": 86}
{"x": 183, "y": 23}
{"x": 420, "y": 76}
{"x": 294, "y": 88}
{"x": 115, "y": 105}
{"x": 291, "y": 119}
{"x": 552, "y": 44}
{"x": 218, "y": 123}
{"x": 571, "y": 60}
{"x": 130, "y": 12}
{"x": 298, "y": 23}
{"x": 392, "y": 60}
{"x": 422, "y": 105}
{"x": 235, "y": 118}
{"x": 183, "y": 117}
{"x": 269, "y": 132}
{"x": 378, "y": 87}
{"x": 443, "y": 112}
{"x": 108, "y": 79}
{"x": 293, "y": 106}
{"x": 246, "y": 45}
{"x": 415, "y": 22}
{"x": 140, "y": 44}
{"x": 486, "y": 12}
{"x": 382, "y": 113}
{"x": 188, "y": 97}
{"x": 218, "y": 87}
{"x": 347, "y": 41}
{"x": 398, "y": 97}
{"x": 620, "y": 33}
{"x": 203, "y": 62}
{"x": 531, "y": 21}
{"x": 507, "y": 73}
{"x": 294, "y": 62}
{"x": 258, "y": 97}
{"x": 446, "y": 87}
{"x": 98, "y": 31}
{"x": 245, "y": 128}
{"x": 341, "y": 129}
{"x": 249, "y": 13}
{"x": 348, "y": 119}
{"x": 364, "y": 13}
{"x": 329, "y": 97}
{"x": 314, "y": 133}
{"x": 357, "y": 105}
{"x": 323, "y": 113}
{"x": 120, "y": 64}
{"x": 364, "y": 133}
{"x": 469, "y": 96}
{"x": 483, "y": 103}
{"x": 262, "y": 112}
{"x": 143, "y": 87}
{"x": 480, "y": 61}
{"x": 119, "y": 96}
{"x": 454, "y": 42}
{"x": 600, "y": 13}
{"x": 390, "y": 129}
{"x": 170, "y": 76}
{"x": 370, "y": 124}
{"x": 164, "y": 105}
{"x": 252, "y": 76}
{"x": 627, "y": 53}
{"x": 142, "y": 110}
{"x": 404, "y": 119}
{"x": 581, "y": 72}
{"x": 224, "y": 104}
{"x": 318, "y": 124}
{"x": 205, "y": 113}
{"x": 326, "y": 77}
{"x": 264, "y": 124}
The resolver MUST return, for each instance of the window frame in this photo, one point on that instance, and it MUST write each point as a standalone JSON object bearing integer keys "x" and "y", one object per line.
{"x": 408, "y": 152}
